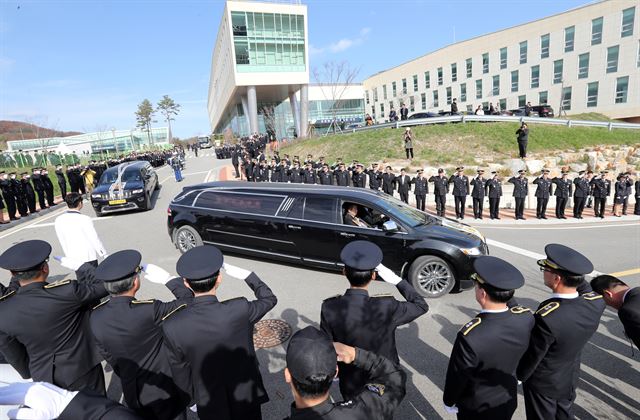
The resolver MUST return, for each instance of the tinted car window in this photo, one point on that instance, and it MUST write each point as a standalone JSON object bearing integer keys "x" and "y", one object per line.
{"x": 129, "y": 175}
{"x": 296, "y": 208}
{"x": 320, "y": 209}
{"x": 265, "y": 205}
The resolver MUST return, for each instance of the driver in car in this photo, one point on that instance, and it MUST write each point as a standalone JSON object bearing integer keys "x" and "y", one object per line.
{"x": 351, "y": 216}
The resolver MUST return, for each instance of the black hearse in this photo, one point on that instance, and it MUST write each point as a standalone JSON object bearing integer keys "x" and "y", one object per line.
{"x": 127, "y": 186}
{"x": 305, "y": 224}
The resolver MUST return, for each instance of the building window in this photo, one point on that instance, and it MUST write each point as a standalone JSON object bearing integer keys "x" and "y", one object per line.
{"x": 515, "y": 76}
{"x": 502, "y": 104}
{"x": 522, "y": 100}
{"x": 423, "y": 100}
{"x": 384, "y": 92}
{"x": 479, "y": 89}
{"x": 454, "y": 72}
{"x": 485, "y": 63}
{"x": 375, "y": 94}
{"x": 592, "y": 94}
{"x": 463, "y": 92}
{"x": 382, "y": 109}
{"x": 440, "y": 81}
{"x": 373, "y": 111}
{"x": 569, "y": 36}
{"x": 535, "y": 77}
{"x": 435, "y": 98}
{"x": 612, "y": 59}
{"x": 394, "y": 90}
{"x": 448, "y": 96}
{"x": 566, "y": 99}
{"x": 412, "y": 104}
{"x": 627, "y": 21}
{"x": 583, "y": 66}
{"x": 496, "y": 85}
{"x": 622, "y": 86}
{"x": 544, "y": 46}
{"x": 427, "y": 80}
{"x": 523, "y": 52}
{"x": 557, "y": 71}
{"x": 469, "y": 64}
{"x": 366, "y": 96}
{"x": 469, "y": 108}
{"x": 404, "y": 86}
{"x": 390, "y": 105}
{"x": 415, "y": 82}
{"x": 503, "y": 58}
{"x": 543, "y": 97}
{"x": 596, "y": 31}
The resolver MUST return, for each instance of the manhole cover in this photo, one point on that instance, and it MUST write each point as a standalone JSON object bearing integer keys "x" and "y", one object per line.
{"x": 270, "y": 333}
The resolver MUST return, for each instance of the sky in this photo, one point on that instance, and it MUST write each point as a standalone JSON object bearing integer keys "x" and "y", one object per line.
{"x": 85, "y": 65}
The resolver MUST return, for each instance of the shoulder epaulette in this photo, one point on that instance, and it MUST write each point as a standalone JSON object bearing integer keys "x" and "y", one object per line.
{"x": 56, "y": 284}
{"x": 383, "y": 295}
{"x": 547, "y": 309}
{"x": 466, "y": 328}
{"x": 184, "y": 305}
{"x": 332, "y": 297}
{"x": 519, "y": 310}
{"x": 11, "y": 293}
{"x": 376, "y": 388}
{"x": 136, "y": 301}
{"x": 592, "y": 296}
{"x": 100, "y": 304}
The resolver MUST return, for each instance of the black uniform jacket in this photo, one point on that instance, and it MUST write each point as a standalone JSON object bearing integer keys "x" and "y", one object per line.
{"x": 129, "y": 336}
{"x": 404, "y": 183}
{"x": 481, "y": 373}
{"x": 520, "y": 186}
{"x": 551, "y": 364}
{"x": 385, "y": 389}
{"x": 460, "y": 185}
{"x": 629, "y": 314}
{"x": 420, "y": 186}
{"x": 440, "y": 185}
{"x": 210, "y": 349}
{"x": 89, "y": 406}
{"x": 544, "y": 189}
{"x": 51, "y": 324}
{"x": 563, "y": 187}
{"x": 479, "y": 187}
{"x": 494, "y": 188}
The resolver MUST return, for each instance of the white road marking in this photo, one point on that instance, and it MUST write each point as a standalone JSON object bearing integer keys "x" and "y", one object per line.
{"x": 557, "y": 228}
{"x": 26, "y": 225}
{"x": 206, "y": 178}
{"x": 51, "y": 224}
{"x": 184, "y": 174}
{"x": 516, "y": 250}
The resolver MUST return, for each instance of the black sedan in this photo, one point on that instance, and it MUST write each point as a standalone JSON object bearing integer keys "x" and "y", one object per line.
{"x": 128, "y": 186}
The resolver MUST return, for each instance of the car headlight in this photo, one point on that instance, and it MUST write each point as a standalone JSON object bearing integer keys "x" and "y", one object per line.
{"x": 96, "y": 195}
{"x": 137, "y": 191}
{"x": 471, "y": 251}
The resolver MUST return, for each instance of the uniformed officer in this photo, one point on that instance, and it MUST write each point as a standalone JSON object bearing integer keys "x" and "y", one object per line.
{"x": 520, "y": 192}
{"x": 48, "y": 186}
{"x": 295, "y": 173}
{"x": 481, "y": 383}
{"x": 20, "y": 194}
{"x": 440, "y": 190}
{"x": 388, "y": 181}
{"x": 210, "y": 343}
{"x": 636, "y": 207}
{"x": 479, "y": 187}
{"x": 342, "y": 175}
{"x": 562, "y": 193}
{"x": 28, "y": 190}
{"x": 325, "y": 177}
{"x": 47, "y": 324}
{"x": 565, "y": 322}
{"x": 403, "y": 181}
{"x": 543, "y": 192}
{"x": 347, "y": 318}
{"x": 311, "y": 368}
{"x": 7, "y": 193}
{"x": 580, "y": 194}
{"x": 309, "y": 174}
{"x": 494, "y": 191}
{"x": 624, "y": 299}
{"x": 420, "y": 189}
{"x": 358, "y": 177}
{"x": 38, "y": 185}
{"x": 375, "y": 176}
{"x": 128, "y": 334}
{"x": 601, "y": 188}
{"x": 460, "y": 191}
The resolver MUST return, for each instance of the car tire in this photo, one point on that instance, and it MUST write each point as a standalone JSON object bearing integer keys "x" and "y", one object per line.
{"x": 157, "y": 187}
{"x": 186, "y": 238}
{"x": 99, "y": 214}
{"x": 147, "y": 202}
{"x": 431, "y": 276}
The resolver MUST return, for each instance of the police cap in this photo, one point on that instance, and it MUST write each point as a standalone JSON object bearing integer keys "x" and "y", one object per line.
{"x": 497, "y": 273}
{"x": 199, "y": 263}
{"x": 311, "y": 353}
{"x": 25, "y": 256}
{"x": 522, "y": 171}
{"x": 361, "y": 255}
{"x": 119, "y": 265}
{"x": 563, "y": 258}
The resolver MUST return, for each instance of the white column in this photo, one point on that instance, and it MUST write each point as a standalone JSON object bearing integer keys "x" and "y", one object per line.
{"x": 252, "y": 105}
{"x": 295, "y": 110}
{"x": 245, "y": 111}
{"x": 304, "y": 110}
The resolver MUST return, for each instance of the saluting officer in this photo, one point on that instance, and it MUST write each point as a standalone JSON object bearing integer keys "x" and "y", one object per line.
{"x": 7, "y": 193}
{"x": 601, "y": 188}
{"x": 420, "y": 189}
{"x": 46, "y": 325}
{"x": 580, "y": 194}
{"x": 358, "y": 177}
{"x": 481, "y": 382}
{"x": 375, "y": 176}
{"x": 460, "y": 191}
{"x": 128, "y": 333}
{"x": 31, "y": 195}
{"x": 494, "y": 191}
{"x": 440, "y": 190}
{"x": 325, "y": 177}
{"x": 388, "y": 181}
{"x": 210, "y": 343}
{"x": 562, "y": 193}
{"x": 342, "y": 175}
{"x": 565, "y": 322}
{"x": 347, "y": 318}
{"x": 479, "y": 187}
{"x": 543, "y": 192}
{"x": 38, "y": 185}
{"x": 295, "y": 173}
{"x": 309, "y": 174}
{"x": 520, "y": 192}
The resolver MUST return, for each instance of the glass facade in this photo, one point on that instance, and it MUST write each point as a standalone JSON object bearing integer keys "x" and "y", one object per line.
{"x": 268, "y": 42}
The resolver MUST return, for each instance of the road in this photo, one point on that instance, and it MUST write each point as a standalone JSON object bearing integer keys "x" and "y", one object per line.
{"x": 610, "y": 369}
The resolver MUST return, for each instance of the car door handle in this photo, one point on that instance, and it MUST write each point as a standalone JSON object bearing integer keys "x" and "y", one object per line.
{"x": 294, "y": 227}
{"x": 347, "y": 235}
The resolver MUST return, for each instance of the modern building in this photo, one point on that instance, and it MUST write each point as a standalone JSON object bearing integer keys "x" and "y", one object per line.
{"x": 260, "y": 59}
{"x": 583, "y": 60}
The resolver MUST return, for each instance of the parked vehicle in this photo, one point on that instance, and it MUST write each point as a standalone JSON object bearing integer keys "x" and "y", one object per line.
{"x": 419, "y": 115}
{"x": 519, "y": 112}
{"x": 128, "y": 186}
{"x": 543, "y": 110}
{"x": 298, "y": 224}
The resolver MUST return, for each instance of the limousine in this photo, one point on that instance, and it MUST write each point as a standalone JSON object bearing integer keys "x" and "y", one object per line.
{"x": 309, "y": 226}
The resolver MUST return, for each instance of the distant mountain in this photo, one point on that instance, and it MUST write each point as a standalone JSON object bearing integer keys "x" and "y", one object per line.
{"x": 17, "y": 130}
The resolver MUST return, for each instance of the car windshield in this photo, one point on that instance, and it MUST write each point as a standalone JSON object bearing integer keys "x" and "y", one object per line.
{"x": 129, "y": 175}
{"x": 405, "y": 213}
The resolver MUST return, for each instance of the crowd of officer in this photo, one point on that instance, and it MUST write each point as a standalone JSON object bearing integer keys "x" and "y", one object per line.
{"x": 197, "y": 351}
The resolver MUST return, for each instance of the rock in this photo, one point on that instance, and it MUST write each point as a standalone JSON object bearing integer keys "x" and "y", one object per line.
{"x": 577, "y": 167}
{"x": 593, "y": 158}
{"x": 570, "y": 157}
{"x": 551, "y": 162}
{"x": 514, "y": 165}
{"x": 601, "y": 165}
{"x": 534, "y": 165}
{"x": 497, "y": 167}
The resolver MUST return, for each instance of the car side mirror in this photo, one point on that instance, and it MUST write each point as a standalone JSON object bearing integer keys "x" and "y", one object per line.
{"x": 389, "y": 226}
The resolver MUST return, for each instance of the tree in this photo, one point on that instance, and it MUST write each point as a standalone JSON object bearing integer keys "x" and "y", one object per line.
{"x": 168, "y": 108}
{"x": 43, "y": 134}
{"x": 334, "y": 79}
{"x": 144, "y": 117}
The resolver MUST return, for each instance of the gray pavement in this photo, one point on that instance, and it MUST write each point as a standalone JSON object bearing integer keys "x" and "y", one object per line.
{"x": 609, "y": 382}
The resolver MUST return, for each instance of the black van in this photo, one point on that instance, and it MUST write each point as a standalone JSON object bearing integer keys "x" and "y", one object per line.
{"x": 307, "y": 225}
{"x": 127, "y": 186}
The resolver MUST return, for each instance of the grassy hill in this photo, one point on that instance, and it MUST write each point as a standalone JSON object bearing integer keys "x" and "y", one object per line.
{"x": 17, "y": 130}
{"x": 469, "y": 143}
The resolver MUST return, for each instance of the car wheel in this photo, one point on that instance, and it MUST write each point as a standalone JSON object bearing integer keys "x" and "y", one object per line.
{"x": 99, "y": 214}
{"x": 187, "y": 238}
{"x": 431, "y": 276}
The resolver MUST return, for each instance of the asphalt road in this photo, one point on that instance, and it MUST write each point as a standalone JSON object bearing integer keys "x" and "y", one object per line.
{"x": 609, "y": 378}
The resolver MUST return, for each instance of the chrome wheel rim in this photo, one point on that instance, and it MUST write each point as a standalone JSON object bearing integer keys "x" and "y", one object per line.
{"x": 434, "y": 277}
{"x": 186, "y": 240}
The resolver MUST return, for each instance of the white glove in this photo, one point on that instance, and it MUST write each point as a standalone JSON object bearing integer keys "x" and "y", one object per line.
{"x": 155, "y": 274}
{"x": 388, "y": 275}
{"x": 237, "y": 272}
{"x": 42, "y": 400}
{"x": 70, "y": 263}
{"x": 451, "y": 410}
{"x": 194, "y": 408}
